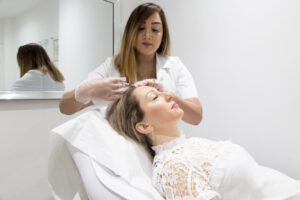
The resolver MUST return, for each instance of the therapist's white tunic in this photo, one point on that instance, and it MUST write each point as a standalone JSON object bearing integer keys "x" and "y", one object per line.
{"x": 171, "y": 73}
{"x": 197, "y": 168}
{"x": 35, "y": 80}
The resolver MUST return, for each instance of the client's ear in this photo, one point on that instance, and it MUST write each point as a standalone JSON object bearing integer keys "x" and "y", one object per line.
{"x": 144, "y": 128}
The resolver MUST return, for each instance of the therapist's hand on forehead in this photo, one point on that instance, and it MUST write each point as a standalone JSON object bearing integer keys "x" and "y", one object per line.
{"x": 108, "y": 89}
{"x": 150, "y": 82}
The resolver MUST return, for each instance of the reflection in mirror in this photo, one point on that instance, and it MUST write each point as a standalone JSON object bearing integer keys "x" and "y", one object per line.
{"x": 77, "y": 35}
{"x": 37, "y": 71}
{"x": 24, "y": 22}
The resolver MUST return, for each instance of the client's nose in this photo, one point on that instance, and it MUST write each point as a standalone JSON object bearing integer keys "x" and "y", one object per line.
{"x": 167, "y": 96}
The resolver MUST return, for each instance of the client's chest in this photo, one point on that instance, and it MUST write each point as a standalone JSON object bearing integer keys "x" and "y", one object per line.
{"x": 199, "y": 153}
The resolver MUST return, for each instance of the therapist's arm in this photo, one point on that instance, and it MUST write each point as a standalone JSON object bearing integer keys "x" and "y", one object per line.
{"x": 68, "y": 104}
{"x": 192, "y": 109}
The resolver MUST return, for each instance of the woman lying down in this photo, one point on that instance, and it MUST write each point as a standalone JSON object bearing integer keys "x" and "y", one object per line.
{"x": 193, "y": 168}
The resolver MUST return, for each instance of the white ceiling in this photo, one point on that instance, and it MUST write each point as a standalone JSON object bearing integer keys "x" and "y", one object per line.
{"x": 13, "y": 8}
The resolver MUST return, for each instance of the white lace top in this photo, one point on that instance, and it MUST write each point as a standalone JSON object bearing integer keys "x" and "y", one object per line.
{"x": 182, "y": 168}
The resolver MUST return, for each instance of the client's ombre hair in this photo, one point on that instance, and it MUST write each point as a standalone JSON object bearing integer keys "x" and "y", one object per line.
{"x": 123, "y": 114}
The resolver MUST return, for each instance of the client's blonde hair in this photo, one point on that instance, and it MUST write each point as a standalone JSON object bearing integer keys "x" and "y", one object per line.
{"x": 123, "y": 114}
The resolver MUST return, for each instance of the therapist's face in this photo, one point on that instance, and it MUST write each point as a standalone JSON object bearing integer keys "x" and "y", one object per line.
{"x": 159, "y": 108}
{"x": 149, "y": 35}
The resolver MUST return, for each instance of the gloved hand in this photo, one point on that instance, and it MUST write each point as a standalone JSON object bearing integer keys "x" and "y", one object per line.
{"x": 100, "y": 89}
{"x": 150, "y": 82}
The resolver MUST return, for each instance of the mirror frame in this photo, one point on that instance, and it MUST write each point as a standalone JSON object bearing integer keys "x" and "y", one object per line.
{"x": 19, "y": 95}
{"x": 10, "y": 95}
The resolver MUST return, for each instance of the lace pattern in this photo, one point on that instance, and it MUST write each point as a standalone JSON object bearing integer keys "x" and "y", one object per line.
{"x": 182, "y": 168}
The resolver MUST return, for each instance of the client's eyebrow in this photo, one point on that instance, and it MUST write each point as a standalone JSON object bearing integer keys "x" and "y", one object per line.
{"x": 153, "y": 91}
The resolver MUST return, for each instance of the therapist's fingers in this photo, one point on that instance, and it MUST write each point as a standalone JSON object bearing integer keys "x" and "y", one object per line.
{"x": 116, "y": 86}
{"x": 151, "y": 83}
{"x": 116, "y": 79}
{"x": 158, "y": 86}
{"x": 116, "y": 94}
{"x": 121, "y": 90}
{"x": 155, "y": 84}
{"x": 114, "y": 97}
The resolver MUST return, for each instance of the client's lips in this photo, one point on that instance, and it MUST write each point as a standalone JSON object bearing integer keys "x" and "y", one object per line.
{"x": 174, "y": 105}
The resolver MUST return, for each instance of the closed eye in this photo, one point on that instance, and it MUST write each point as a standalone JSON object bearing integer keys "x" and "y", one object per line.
{"x": 155, "y": 97}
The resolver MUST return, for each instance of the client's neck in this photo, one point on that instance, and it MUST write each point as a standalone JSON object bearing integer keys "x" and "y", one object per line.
{"x": 164, "y": 135}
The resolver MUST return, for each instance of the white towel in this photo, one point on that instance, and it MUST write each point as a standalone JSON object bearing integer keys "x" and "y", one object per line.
{"x": 93, "y": 135}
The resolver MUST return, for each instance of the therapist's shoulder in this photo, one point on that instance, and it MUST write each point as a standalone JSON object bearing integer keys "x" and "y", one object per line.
{"x": 33, "y": 76}
{"x": 172, "y": 62}
{"x": 30, "y": 81}
{"x": 168, "y": 59}
{"x": 107, "y": 63}
{"x": 105, "y": 69}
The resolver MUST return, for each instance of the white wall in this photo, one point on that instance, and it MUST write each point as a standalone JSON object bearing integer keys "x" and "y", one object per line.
{"x": 245, "y": 67}
{"x": 24, "y": 147}
{"x": 84, "y": 42}
{"x": 85, "y": 33}
{"x": 25, "y": 124}
{"x": 1, "y": 54}
{"x": 244, "y": 56}
{"x": 39, "y": 24}
{"x": 8, "y": 50}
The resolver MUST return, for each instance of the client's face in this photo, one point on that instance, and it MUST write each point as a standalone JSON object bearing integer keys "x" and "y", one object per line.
{"x": 158, "y": 107}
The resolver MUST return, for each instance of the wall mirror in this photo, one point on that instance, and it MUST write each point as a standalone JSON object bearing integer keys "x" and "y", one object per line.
{"x": 77, "y": 35}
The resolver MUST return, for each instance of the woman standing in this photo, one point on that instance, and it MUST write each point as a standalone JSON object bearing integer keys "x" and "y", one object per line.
{"x": 144, "y": 59}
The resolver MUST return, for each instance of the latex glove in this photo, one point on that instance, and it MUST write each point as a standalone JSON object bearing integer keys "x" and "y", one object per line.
{"x": 108, "y": 89}
{"x": 150, "y": 82}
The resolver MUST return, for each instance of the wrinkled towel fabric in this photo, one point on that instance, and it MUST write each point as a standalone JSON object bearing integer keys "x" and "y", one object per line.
{"x": 91, "y": 133}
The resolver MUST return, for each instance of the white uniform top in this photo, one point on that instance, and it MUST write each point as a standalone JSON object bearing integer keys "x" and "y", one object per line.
{"x": 35, "y": 80}
{"x": 171, "y": 73}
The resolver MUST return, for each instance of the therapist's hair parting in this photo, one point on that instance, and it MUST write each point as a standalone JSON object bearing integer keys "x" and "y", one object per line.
{"x": 32, "y": 57}
{"x": 125, "y": 61}
{"x": 123, "y": 114}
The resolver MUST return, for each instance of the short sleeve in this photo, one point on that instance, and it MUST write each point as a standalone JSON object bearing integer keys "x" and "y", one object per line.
{"x": 185, "y": 84}
{"x": 177, "y": 180}
{"x": 106, "y": 69}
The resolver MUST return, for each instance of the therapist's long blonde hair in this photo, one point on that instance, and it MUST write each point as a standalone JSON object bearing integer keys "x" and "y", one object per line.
{"x": 125, "y": 61}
